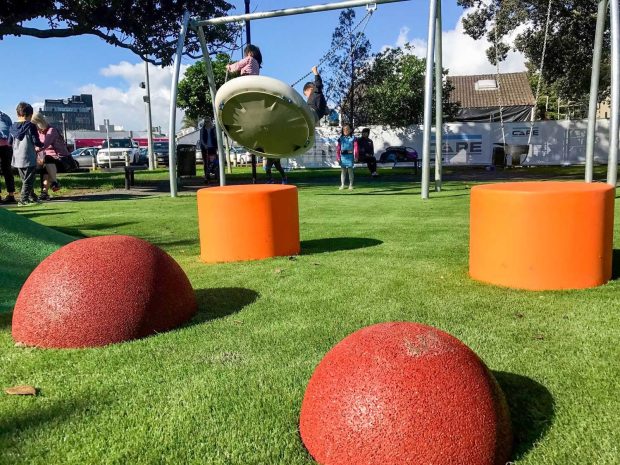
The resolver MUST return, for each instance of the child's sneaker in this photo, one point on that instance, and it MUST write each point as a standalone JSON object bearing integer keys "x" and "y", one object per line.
{"x": 341, "y": 187}
{"x": 269, "y": 181}
{"x": 23, "y": 203}
{"x": 350, "y": 188}
{"x": 44, "y": 196}
{"x": 55, "y": 186}
{"x": 34, "y": 199}
{"x": 9, "y": 199}
{"x": 284, "y": 180}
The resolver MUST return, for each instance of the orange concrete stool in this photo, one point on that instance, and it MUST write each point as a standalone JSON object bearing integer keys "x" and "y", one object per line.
{"x": 248, "y": 222}
{"x": 541, "y": 235}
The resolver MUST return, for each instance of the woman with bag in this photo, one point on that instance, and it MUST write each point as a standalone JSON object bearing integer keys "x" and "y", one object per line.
{"x": 55, "y": 156}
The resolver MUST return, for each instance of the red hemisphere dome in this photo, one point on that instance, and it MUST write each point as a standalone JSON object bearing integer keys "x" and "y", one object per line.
{"x": 404, "y": 393}
{"x": 99, "y": 291}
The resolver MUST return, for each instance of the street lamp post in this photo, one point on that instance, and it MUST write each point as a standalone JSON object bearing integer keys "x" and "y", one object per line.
{"x": 107, "y": 132}
{"x": 64, "y": 126}
{"x": 149, "y": 120}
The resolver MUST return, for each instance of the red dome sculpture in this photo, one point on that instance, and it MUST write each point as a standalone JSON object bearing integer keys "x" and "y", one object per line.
{"x": 404, "y": 393}
{"x": 99, "y": 291}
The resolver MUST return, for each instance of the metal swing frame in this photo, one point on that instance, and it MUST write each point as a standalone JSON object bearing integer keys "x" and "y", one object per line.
{"x": 433, "y": 59}
{"x": 434, "y": 32}
{"x": 197, "y": 25}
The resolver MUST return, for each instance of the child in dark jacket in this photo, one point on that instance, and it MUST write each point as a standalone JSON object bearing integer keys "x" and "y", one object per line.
{"x": 24, "y": 138}
{"x": 314, "y": 93}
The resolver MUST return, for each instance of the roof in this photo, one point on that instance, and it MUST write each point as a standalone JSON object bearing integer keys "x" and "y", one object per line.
{"x": 515, "y": 90}
{"x": 190, "y": 137}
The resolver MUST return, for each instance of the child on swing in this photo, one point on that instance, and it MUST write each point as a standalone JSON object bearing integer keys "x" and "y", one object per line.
{"x": 314, "y": 93}
{"x": 250, "y": 65}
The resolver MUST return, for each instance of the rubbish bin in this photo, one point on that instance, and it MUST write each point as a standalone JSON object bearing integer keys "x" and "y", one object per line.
{"x": 186, "y": 160}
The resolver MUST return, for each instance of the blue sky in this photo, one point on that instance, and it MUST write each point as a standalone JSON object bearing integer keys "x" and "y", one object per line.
{"x": 59, "y": 68}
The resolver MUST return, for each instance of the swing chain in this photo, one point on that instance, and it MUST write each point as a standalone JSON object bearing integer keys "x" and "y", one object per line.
{"x": 339, "y": 45}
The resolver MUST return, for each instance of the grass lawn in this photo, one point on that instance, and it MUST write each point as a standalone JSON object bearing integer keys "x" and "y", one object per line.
{"x": 227, "y": 388}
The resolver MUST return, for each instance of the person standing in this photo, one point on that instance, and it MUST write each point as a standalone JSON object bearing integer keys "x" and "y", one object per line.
{"x": 6, "y": 153}
{"x": 346, "y": 155}
{"x": 24, "y": 138}
{"x": 268, "y": 164}
{"x": 208, "y": 149}
{"x": 367, "y": 152}
{"x": 56, "y": 155}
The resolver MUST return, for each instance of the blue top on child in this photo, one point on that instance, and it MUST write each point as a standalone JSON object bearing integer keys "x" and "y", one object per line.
{"x": 346, "y": 151}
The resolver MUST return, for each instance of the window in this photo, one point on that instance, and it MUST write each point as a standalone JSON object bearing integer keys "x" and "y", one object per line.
{"x": 486, "y": 84}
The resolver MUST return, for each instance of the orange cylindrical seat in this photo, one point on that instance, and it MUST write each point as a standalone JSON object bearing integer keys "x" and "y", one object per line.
{"x": 541, "y": 235}
{"x": 248, "y": 222}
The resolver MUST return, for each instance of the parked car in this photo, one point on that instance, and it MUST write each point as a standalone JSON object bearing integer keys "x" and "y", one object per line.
{"x": 160, "y": 150}
{"x": 398, "y": 154}
{"x": 238, "y": 155}
{"x": 85, "y": 157}
{"x": 119, "y": 151}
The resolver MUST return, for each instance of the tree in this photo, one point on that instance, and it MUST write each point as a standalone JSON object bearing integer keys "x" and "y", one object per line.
{"x": 193, "y": 94}
{"x": 189, "y": 123}
{"x": 391, "y": 91}
{"x": 148, "y": 28}
{"x": 569, "y": 46}
{"x": 349, "y": 53}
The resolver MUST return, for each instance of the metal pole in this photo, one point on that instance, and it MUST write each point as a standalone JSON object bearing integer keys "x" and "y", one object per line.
{"x": 612, "y": 160}
{"x": 107, "y": 131}
{"x": 594, "y": 80}
{"x": 212, "y": 90}
{"x": 438, "y": 99}
{"x": 64, "y": 126}
{"x": 248, "y": 41}
{"x": 149, "y": 120}
{"x": 172, "y": 145}
{"x": 428, "y": 98}
{"x": 291, "y": 11}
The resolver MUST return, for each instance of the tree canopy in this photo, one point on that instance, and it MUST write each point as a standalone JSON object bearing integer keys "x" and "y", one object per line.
{"x": 391, "y": 90}
{"x": 348, "y": 54}
{"x": 149, "y": 28}
{"x": 569, "y": 47}
{"x": 193, "y": 94}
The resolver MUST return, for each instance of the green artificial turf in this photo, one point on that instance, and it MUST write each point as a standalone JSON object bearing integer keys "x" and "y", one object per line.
{"x": 227, "y": 388}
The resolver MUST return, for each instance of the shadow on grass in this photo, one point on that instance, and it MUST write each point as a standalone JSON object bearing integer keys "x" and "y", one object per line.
{"x": 220, "y": 302}
{"x": 16, "y": 428}
{"x": 77, "y": 231}
{"x": 333, "y": 244}
{"x": 615, "y": 264}
{"x": 532, "y": 410}
{"x": 37, "y": 214}
{"x": 5, "y": 319}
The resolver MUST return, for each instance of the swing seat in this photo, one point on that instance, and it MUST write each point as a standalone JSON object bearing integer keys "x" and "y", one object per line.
{"x": 265, "y": 115}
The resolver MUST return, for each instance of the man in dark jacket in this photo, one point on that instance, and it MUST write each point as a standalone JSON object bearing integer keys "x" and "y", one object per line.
{"x": 314, "y": 93}
{"x": 208, "y": 149}
{"x": 6, "y": 154}
{"x": 367, "y": 152}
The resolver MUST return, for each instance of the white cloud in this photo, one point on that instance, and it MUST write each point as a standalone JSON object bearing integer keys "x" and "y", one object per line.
{"x": 124, "y": 105}
{"x": 463, "y": 55}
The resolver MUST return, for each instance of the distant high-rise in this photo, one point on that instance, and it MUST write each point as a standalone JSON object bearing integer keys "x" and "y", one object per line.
{"x": 77, "y": 110}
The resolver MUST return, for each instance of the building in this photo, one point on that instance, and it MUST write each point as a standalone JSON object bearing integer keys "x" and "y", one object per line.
{"x": 85, "y": 138}
{"x": 73, "y": 113}
{"x": 479, "y": 97}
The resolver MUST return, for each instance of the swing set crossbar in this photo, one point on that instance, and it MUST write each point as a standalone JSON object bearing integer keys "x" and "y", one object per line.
{"x": 288, "y": 12}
